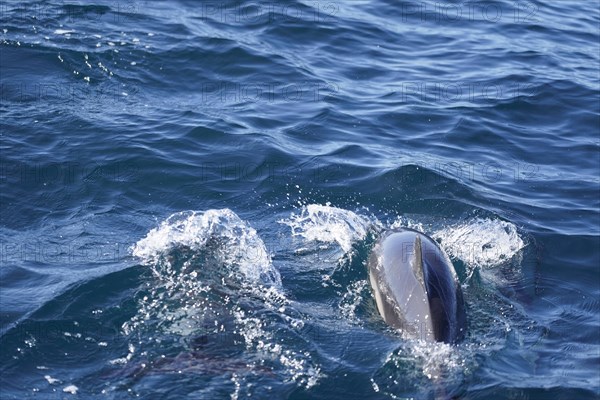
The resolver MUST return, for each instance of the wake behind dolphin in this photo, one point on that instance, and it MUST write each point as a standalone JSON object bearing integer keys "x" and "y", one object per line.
{"x": 416, "y": 287}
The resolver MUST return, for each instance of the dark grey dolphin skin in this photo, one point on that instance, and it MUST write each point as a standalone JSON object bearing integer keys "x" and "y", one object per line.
{"x": 416, "y": 287}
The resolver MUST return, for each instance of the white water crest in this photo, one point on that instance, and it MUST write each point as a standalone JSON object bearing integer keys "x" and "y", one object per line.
{"x": 238, "y": 242}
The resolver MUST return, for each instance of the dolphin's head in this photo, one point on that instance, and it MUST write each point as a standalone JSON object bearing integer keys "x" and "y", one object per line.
{"x": 416, "y": 287}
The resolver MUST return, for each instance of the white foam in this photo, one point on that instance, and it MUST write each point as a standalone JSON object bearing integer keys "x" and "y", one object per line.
{"x": 127, "y": 358}
{"x": 240, "y": 244}
{"x": 438, "y": 358}
{"x": 324, "y": 223}
{"x": 51, "y": 380}
{"x": 71, "y": 389}
{"x": 481, "y": 242}
{"x": 404, "y": 222}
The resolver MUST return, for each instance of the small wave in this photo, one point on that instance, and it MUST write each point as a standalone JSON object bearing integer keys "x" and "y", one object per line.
{"x": 239, "y": 244}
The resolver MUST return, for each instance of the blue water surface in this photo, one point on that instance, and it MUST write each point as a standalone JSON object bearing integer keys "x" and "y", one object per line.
{"x": 189, "y": 191}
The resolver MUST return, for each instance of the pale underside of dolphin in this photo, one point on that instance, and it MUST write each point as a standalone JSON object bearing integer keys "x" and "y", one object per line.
{"x": 416, "y": 287}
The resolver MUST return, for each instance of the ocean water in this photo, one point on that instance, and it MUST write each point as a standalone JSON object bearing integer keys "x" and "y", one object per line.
{"x": 189, "y": 191}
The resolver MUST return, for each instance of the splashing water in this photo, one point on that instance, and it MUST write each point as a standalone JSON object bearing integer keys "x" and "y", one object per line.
{"x": 216, "y": 281}
{"x": 192, "y": 296}
{"x": 327, "y": 224}
{"x": 239, "y": 244}
{"x": 481, "y": 242}
{"x": 355, "y": 294}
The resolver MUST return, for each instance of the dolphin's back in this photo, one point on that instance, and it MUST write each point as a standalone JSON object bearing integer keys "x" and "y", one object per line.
{"x": 416, "y": 287}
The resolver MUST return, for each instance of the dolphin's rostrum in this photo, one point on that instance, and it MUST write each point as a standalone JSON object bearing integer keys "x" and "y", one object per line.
{"x": 416, "y": 287}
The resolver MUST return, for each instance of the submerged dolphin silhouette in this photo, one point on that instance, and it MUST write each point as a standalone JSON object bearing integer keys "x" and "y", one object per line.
{"x": 416, "y": 287}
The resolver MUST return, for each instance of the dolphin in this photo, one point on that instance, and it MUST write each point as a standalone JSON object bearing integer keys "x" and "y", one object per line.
{"x": 416, "y": 287}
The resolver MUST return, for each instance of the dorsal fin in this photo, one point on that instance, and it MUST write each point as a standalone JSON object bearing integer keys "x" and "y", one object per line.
{"x": 418, "y": 264}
